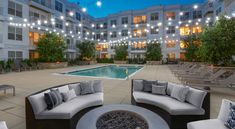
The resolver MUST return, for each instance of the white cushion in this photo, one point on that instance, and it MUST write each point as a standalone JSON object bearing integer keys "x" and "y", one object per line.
{"x": 180, "y": 92}
{"x": 97, "y": 85}
{"x": 225, "y": 110}
{"x": 69, "y": 109}
{"x": 196, "y": 97}
{"x": 76, "y": 88}
{"x": 63, "y": 88}
{"x": 171, "y": 105}
{"x": 3, "y": 125}
{"x": 170, "y": 87}
{"x": 68, "y": 95}
{"x": 207, "y": 124}
{"x": 138, "y": 85}
{"x": 37, "y": 102}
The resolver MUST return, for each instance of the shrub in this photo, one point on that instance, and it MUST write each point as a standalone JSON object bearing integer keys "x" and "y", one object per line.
{"x": 87, "y": 50}
{"x": 121, "y": 53}
{"x": 104, "y": 60}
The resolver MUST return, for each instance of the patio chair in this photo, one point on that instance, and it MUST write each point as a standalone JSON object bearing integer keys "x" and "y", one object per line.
{"x": 193, "y": 70}
{"x": 218, "y": 123}
{"x": 3, "y": 125}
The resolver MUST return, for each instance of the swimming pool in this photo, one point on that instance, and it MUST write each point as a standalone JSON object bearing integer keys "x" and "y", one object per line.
{"x": 110, "y": 71}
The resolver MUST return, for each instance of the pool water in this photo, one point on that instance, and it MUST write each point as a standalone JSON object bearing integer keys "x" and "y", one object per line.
{"x": 110, "y": 71}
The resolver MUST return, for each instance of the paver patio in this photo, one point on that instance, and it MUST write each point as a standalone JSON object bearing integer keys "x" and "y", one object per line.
{"x": 115, "y": 91}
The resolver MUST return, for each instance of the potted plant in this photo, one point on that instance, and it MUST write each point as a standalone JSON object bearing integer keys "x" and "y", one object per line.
{"x": 153, "y": 54}
{"x": 51, "y": 49}
{"x": 121, "y": 54}
{"x": 87, "y": 52}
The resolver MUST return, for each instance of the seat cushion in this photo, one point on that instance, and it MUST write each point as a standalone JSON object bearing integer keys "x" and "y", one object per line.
{"x": 207, "y": 124}
{"x": 69, "y": 109}
{"x": 38, "y": 102}
{"x": 171, "y": 105}
{"x": 196, "y": 97}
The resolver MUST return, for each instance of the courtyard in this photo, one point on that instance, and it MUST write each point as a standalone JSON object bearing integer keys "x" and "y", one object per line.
{"x": 12, "y": 108}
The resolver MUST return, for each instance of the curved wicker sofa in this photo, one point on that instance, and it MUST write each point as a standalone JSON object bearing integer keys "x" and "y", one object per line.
{"x": 62, "y": 121}
{"x": 175, "y": 120}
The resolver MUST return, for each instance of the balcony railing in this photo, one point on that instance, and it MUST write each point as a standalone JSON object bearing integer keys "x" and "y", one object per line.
{"x": 138, "y": 49}
{"x": 72, "y": 47}
{"x": 45, "y": 3}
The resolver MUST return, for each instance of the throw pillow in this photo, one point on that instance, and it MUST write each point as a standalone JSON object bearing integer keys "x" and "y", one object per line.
{"x": 162, "y": 83}
{"x": 148, "y": 85}
{"x": 86, "y": 87}
{"x": 230, "y": 123}
{"x": 160, "y": 90}
{"x": 68, "y": 95}
{"x": 76, "y": 88}
{"x": 63, "y": 88}
{"x": 196, "y": 97}
{"x": 170, "y": 87}
{"x": 52, "y": 99}
{"x": 97, "y": 85}
{"x": 138, "y": 85}
{"x": 180, "y": 92}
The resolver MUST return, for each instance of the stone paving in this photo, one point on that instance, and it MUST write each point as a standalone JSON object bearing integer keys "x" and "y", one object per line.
{"x": 116, "y": 91}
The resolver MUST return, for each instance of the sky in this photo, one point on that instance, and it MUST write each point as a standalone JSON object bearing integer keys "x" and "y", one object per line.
{"x": 115, "y": 6}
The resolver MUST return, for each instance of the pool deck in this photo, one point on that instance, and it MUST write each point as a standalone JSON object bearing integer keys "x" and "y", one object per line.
{"x": 115, "y": 91}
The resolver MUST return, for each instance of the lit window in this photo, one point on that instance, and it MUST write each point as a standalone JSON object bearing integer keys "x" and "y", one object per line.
{"x": 184, "y": 30}
{"x": 182, "y": 45}
{"x": 170, "y": 15}
{"x": 170, "y": 44}
{"x": 139, "y": 19}
{"x": 197, "y": 29}
{"x": 139, "y": 32}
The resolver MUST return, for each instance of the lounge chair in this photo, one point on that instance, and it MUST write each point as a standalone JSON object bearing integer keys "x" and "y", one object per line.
{"x": 219, "y": 83}
{"x": 206, "y": 80}
{"x": 3, "y": 125}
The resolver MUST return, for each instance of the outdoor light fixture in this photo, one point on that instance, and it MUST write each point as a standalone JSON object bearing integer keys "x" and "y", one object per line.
{"x": 71, "y": 13}
{"x": 195, "y": 6}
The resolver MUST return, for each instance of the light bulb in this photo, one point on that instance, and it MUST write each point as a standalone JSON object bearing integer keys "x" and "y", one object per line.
{"x": 99, "y": 3}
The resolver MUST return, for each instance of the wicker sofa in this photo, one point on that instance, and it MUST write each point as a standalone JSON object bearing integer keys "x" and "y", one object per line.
{"x": 64, "y": 116}
{"x": 177, "y": 114}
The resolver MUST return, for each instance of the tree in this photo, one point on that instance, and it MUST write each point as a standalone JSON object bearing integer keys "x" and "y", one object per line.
{"x": 153, "y": 52}
{"x": 121, "y": 52}
{"x": 218, "y": 42}
{"x": 192, "y": 44}
{"x": 87, "y": 50}
{"x": 51, "y": 48}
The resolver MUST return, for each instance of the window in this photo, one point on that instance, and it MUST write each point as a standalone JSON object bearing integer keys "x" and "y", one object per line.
{"x": 125, "y": 20}
{"x": 170, "y": 44}
{"x": 185, "y": 16}
{"x": 97, "y": 36}
{"x": 33, "y": 38}
{"x": 15, "y": 55}
{"x": 14, "y": 33}
{"x": 170, "y": 15}
{"x": 139, "y": 33}
{"x": 154, "y": 30}
{"x": 124, "y": 32}
{"x": 14, "y": 9}
{"x": 171, "y": 56}
{"x": 170, "y": 30}
{"x": 197, "y": 14}
{"x": 78, "y": 16}
{"x": 139, "y": 19}
{"x": 197, "y": 29}
{"x": 59, "y": 24}
{"x": 183, "y": 44}
{"x": 218, "y": 11}
{"x": 58, "y": 6}
{"x": 113, "y": 22}
{"x": 114, "y": 34}
{"x": 154, "y": 16}
{"x": 184, "y": 31}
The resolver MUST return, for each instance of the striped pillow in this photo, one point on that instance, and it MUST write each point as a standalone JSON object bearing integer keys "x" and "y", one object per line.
{"x": 53, "y": 99}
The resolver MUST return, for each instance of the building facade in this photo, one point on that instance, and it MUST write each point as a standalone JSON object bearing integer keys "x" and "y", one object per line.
{"x": 22, "y": 22}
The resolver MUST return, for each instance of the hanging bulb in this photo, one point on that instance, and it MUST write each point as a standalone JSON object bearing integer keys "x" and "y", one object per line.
{"x": 99, "y": 3}
{"x": 84, "y": 9}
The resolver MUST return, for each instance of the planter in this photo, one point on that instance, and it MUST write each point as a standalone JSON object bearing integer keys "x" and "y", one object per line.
{"x": 154, "y": 62}
{"x": 120, "y": 62}
{"x": 48, "y": 65}
{"x": 87, "y": 62}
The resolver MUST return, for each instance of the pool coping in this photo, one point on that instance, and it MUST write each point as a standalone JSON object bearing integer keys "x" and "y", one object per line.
{"x": 64, "y": 73}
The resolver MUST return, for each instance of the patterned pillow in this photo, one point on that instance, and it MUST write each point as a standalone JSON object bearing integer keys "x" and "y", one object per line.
{"x": 230, "y": 123}
{"x": 53, "y": 99}
{"x": 148, "y": 85}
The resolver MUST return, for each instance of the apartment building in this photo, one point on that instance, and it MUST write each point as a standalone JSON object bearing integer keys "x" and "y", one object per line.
{"x": 22, "y": 22}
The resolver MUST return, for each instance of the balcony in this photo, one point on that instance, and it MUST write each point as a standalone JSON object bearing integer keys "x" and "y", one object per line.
{"x": 104, "y": 50}
{"x": 71, "y": 47}
{"x": 41, "y": 4}
{"x": 142, "y": 49}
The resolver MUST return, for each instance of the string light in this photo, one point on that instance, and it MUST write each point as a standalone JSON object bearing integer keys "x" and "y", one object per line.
{"x": 99, "y": 3}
